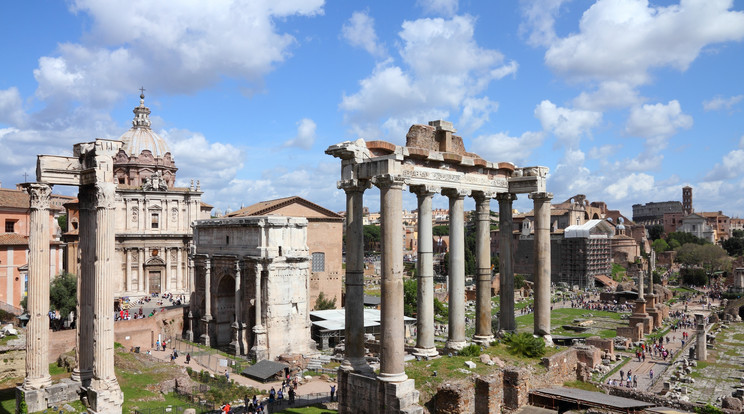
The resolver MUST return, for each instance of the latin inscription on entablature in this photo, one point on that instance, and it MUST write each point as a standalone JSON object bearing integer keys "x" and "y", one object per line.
{"x": 423, "y": 175}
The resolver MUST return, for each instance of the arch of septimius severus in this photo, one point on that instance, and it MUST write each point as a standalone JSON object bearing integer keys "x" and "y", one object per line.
{"x": 433, "y": 161}
{"x": 91, "y": 169}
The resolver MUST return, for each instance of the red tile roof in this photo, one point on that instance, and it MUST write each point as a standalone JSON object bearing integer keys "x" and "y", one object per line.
{"x": 13, "y": 198}
{"x": 13, "y": 239}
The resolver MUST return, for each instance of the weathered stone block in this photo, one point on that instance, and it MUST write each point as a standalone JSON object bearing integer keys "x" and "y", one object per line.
{"x": 606, "y": 345}
{"x": 488, "y": 394}
{"x": 455, "y": 398}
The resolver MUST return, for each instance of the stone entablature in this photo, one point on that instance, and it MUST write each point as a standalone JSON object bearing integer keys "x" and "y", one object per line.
{"x": 251, "y": 287}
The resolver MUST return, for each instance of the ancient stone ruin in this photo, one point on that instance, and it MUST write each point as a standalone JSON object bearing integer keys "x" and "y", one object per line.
{"x": 433, "y": 161}
{"x": 91, "y": 169}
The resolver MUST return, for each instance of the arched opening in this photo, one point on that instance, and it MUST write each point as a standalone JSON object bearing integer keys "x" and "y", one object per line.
{"x": 225, "y": 309}
{"x": 741, "y": 311}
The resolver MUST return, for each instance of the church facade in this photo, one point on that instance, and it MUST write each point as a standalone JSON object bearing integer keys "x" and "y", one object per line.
{"x": 153, "y": 217}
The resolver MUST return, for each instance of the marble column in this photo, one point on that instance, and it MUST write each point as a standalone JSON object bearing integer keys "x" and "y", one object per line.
{"x": 425, "y": 290}
{"x": 392, "y": 338}
{"x": 37, "y": 333}
{"x": 483, "y": 332}
{"x": 701, "y": 347}
{"x": 354, "y": 301}
{"x": 167, "y": 274}
{"x": 86, "y": 286}
{"x": 235, "y": 344}
{"x": 260, "y": 349}
{"x": 179, "y": 269}
{"x": 456, "y": 337}
{"x": 507, "y": 321}
{"x": 141, "y": 271}
{"x": 542, "y": 263}
{"x": 207, "y": 300}
{"x": 104, "y": 394}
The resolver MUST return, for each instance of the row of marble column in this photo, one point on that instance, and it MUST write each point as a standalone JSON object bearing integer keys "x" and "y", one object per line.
{"x": 95, "y": 293}
{"x": 392, "y": 338}
{"x": 259, "y": 349}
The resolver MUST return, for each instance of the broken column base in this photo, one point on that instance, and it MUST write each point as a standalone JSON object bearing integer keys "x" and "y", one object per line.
{"x": 105, "y": 397}
{"x": 64, "y": 391}
{"x": 643, "y": 319}
{"x": 364, "y": 394}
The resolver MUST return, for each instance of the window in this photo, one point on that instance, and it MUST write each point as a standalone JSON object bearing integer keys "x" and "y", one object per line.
{"x": 10, "y": 226}
{"x": 155, "y": 220}
{"x": 318, "y": 262}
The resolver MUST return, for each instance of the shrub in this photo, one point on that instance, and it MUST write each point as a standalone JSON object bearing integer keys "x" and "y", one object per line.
{"x": 472, "y": 350}
{"x": 525, "y": 344}
{"x": 190, "y": 371}
{"x": 708, "y": 409}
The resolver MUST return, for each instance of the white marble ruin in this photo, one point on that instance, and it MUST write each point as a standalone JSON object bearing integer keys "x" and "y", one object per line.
{"x": 252, "y": 286}
{"x": 433, "y": 161}
{"x": 91, "y": 169}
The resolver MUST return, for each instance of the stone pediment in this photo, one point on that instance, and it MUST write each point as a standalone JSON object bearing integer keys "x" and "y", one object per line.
{"x": 291, "y": 206}
{"x": 155, "y": 261}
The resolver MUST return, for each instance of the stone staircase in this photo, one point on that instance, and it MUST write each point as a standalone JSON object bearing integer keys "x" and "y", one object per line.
{"x": 316, "y": 362}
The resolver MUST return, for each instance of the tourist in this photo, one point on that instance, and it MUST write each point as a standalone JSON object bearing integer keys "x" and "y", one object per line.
{"x": 291, "y": 395}
{"x": 651, "y": 374}
{"x": 333, "y": 391}
{"x": 163, "y": 344}
{"x": 635, "y": 381}
{"x": 157, "y": 345}
{"x": 272, "y": 395}
{"x": 188, "y": 358}
{"x": 227, "y": 375}
{"x": 280, "y": 394}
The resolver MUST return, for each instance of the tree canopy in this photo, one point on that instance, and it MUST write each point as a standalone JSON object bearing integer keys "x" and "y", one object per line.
{"x": 63, "y": 294}
{"x": 735, "y": 245}
{"x": 323, "y": 303}
{"x": 371, "y": 237}
{"x": 710, "y": 257}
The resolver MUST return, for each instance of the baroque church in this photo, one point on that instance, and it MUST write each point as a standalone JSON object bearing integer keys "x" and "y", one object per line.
{"x": 153, "y": 216}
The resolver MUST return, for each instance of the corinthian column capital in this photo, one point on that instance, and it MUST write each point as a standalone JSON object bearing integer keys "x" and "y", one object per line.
{"x": 540, "y": 196}
{"x": 455, "y": 193}
{"x": 506, "y": 197}
{"x": 40, "y": 195}
{"x": 424, "y": 190}
{"x": 105, "y": 194}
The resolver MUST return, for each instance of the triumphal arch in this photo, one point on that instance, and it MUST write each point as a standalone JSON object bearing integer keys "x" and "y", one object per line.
{"x": 433, "y": 161}
{"x": 91, "y": 169}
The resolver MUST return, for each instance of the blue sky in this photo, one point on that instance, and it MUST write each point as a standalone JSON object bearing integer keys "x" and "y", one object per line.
{"x": 626, "y": 101}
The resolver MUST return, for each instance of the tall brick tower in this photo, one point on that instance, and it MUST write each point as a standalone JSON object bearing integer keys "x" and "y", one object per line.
{"x": 687, "y": 200}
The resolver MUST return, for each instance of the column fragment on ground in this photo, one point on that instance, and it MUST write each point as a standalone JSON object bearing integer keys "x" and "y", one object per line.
{"x": 425, "y": 289}
{"x": 354, "y": 358}
{"x": 104, "y": 394}
{"x": 207, "y": 300}
{"x": 392, "y": 342}
{"x": 542, "y": 263}
{"x": 456, "y": 338}
{"x": 507, "y": 322}
{"x": 37, "y": 333}
{"x": 701, "y": 347}
{"x": 483, "y": 332}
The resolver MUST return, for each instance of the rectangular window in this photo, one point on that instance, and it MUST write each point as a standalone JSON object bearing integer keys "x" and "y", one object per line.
{"x": 318, "y": 262}
{"x": 10, "y": 226}
{"x": 155, "y": 220}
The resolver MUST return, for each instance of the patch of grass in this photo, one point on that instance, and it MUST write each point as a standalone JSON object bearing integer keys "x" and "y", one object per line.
{"x": 56, "y": 370}
{"x": 586, "y": 386}
{"x": 5, "y": 340}
{"x": 607, "y": 333}
{"x": 614, "y": 370}
{"x": 7, "y": 400}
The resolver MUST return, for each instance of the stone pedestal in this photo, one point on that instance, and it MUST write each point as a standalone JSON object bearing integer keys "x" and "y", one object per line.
{"x": 204, "y": 338}
{"x": 259, "y": 351}
{"x": 701, "y": 340}
{"x": 363, "y": 394}
{"x": 640, "y": 316}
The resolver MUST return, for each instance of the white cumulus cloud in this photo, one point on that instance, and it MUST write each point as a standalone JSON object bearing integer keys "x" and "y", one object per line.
{"x": 657, "y": 121}
{"x": 441, "y": 7}
{"x": 305, "y": 137}
{"x": 442, "y": 71}
{"x": 720, "y": 102}
{"x": 569, "y": 125}
{"x": 359, "y": 31}
{"x": 502, "y": 147}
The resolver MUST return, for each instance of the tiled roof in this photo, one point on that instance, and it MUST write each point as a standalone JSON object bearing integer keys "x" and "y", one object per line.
{"x": 13, "y": 198}
{"x": 266, "y": 207}
{"x": 13, "y": 239}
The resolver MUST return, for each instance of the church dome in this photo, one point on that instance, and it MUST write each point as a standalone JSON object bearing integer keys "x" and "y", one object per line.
{"x": 141, "y": 137}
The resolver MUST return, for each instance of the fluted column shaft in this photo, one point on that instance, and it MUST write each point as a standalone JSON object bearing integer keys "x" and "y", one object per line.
{"x": 238, "y": 291}
{"x": 542, "y": 262}
{"x": 86, "y": 284}
{"x": 425, "y": 289}
{"x": 128, "y": 269}
{"x": 103, "y": 321}
{"x": 260, "y": 340}
{"x": 483, "y": 334}
{"x": 392, "y": 342}
{"x": 207, "y": 299}
{"x": 456, "y": 338}
{"x": 37, "y": 334}
{"x": 354, "y": 301}
{"x": 507, "y": 320}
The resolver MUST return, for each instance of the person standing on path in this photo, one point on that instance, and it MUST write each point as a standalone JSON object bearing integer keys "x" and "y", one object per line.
{"x": 291, "y": 396}
{"x": 651, "y": 374}
{"x": 333, "y": 391}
